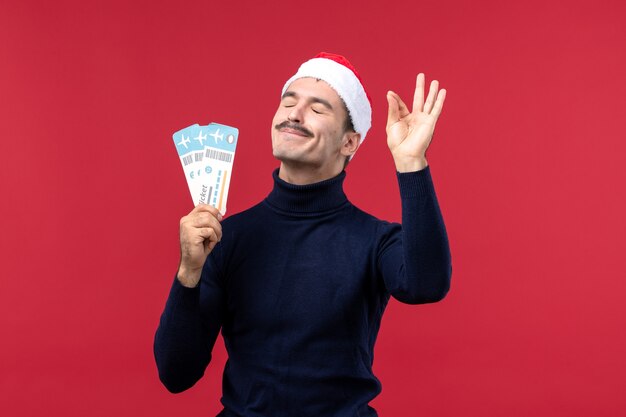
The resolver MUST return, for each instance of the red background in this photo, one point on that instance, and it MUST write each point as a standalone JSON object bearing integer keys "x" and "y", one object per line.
{"x": 526, "y": 162}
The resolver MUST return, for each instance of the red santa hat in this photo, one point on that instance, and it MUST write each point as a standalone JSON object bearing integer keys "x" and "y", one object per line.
{"x": 339, "y": 73}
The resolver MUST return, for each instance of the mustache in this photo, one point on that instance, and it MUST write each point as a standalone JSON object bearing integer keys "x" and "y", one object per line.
{"x": 295, "y": 126}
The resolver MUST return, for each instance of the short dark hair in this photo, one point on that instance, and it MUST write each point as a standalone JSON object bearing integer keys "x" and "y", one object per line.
{"x": 348, "y": 126}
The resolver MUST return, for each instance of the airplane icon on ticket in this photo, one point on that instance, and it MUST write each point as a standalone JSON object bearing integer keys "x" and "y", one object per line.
{"x": 200, "y": 138}
{"x": 217, "y": 136}
{"x": 184, "y": 141}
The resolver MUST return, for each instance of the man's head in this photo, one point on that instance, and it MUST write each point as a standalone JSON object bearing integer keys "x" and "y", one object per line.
{"x": 324, "y": 115}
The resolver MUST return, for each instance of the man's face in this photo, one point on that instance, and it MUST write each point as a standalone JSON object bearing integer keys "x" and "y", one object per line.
{"x": 309, "y": 126}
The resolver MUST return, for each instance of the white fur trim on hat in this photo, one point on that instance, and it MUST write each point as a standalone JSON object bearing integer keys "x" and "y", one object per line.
{"x": 347, "y": 86}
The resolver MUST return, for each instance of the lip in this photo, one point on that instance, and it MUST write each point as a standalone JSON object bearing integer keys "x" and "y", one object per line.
{"x": 294, "y": 132}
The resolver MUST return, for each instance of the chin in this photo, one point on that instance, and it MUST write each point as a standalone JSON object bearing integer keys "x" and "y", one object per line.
{"x": 287, "y": 158}
{"x": 286, "y": 150}
{"x": 292, "y": 158}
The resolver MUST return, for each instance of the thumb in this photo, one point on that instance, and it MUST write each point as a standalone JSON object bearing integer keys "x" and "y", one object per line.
{"x": 394, "y": 109}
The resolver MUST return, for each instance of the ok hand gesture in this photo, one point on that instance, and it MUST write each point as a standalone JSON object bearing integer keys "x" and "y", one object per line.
{"x": 409, "y": 133}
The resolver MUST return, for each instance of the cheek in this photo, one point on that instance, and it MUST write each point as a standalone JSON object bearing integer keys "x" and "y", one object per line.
{"x": 278, "y": 117}
{"x": 281, "y": 114}
{"x": 334, "y": 134}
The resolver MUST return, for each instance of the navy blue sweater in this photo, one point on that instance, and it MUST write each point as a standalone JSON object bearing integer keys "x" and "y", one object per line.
{"x": 298, "y": 286}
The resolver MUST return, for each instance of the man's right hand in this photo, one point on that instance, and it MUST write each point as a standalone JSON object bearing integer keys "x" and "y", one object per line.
{"x": 200, "y": 231}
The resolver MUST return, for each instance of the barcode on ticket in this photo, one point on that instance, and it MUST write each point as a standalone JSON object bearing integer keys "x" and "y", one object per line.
{"x": 218, "y": 155}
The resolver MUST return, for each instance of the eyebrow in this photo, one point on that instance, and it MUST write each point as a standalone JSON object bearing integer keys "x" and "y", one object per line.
{"x": 311, "y": 99}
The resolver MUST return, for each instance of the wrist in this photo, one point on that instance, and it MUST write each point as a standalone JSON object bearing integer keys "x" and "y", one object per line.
{"x": 410, "y": 164}
{"x": 188, "y": 277}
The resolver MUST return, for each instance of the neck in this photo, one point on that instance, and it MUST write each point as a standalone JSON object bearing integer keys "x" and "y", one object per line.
{"x": 307, "y": 199}
{"x": 299, "y": 174}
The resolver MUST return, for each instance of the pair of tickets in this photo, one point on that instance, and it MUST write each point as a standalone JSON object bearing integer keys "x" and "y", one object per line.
{"x": 207, "y": 154}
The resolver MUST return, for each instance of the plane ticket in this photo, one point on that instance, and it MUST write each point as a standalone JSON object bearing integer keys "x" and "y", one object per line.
{"x": 206, "y": 154}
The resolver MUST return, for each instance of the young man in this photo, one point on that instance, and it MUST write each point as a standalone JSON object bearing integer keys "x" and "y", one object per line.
{"x": 298, "y": 283}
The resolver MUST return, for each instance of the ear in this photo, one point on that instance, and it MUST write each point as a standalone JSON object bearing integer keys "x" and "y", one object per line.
{"x": 351, "y": 143}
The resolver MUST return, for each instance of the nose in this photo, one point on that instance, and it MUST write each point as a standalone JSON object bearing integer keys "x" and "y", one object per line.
{"x": 295, "y": 114}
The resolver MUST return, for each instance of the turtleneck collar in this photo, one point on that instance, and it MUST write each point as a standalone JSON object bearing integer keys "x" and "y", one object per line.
{"x": 307, "y": 199}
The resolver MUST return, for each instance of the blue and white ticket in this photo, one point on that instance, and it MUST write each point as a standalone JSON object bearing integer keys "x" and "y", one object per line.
{"x": 207, "y": 154}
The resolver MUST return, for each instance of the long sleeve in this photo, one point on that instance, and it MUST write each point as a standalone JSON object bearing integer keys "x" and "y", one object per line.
{"x": 187, "y": 330}
{"x": 415, "y": 260}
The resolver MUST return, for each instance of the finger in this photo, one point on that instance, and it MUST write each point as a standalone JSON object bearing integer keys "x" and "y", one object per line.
{"x": 441, "y": 97}
{"x": 393, "y": 115}
{"x": 207, "y": 208}
{"x": 418, "y": 96}
{"x": 208, "y": 233}
{"x": 198, "y": 217}
{"x": 203, "y": 220}
{"x": 432, "y": 95}
{"x": 210, "y": 239}
{"x": 403, "y": 109}
{"x": 218, "y": 232}
{"x": 209, "y": 247}
{"x": 207, "y": 211}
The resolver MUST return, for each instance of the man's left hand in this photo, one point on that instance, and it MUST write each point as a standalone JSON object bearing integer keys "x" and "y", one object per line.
{"x": 409, "y": 133}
